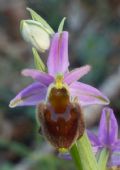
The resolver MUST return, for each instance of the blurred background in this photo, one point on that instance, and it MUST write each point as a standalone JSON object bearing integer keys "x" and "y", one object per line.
{"x": 94, "y": 27}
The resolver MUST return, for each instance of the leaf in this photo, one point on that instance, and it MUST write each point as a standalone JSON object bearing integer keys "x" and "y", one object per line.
{"x": 39, "y": 65}
{"x": 38, "y": 18}
{"x": 103, "y": 158}
{"x": 60, "y": 28}
{"x": 76, "y": 158}
{"x": 86, "y": 155}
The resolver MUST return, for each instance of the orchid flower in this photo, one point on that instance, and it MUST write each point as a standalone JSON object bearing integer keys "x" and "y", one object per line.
{"x": 58, "y": 73}
{"x": 107, "y": 137}
{"x": 58, "y": 94}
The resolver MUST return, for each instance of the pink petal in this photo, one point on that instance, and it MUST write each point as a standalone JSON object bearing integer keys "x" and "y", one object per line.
{"x": 87, "y": 94}
{"x": 42, "y": 77}
{"x": 93, "y": 138}
{"x": 96, "y": 145}
{"x": 31, "y": 95}
{"x": 108, "y": 129}
{"x": 116, "y": 146}
{"x": 76, "y": 74}
{"x": 58, "y": 56}
{"x": 114, "y": 159}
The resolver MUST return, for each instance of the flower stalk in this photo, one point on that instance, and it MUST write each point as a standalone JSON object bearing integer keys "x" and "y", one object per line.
{"x": 75, "y": 156}
{"x": 86, "y": 154}
{"x": 103, "y": 159}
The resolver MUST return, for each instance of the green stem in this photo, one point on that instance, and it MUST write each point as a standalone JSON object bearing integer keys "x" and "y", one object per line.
{"x": 103, "y": 158}
{"x": 75, "y": 155}
{"x": 87, "y": 157}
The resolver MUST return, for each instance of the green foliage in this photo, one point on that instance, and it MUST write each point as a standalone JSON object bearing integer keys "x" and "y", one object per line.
{"x": 38, "y": 18}
{"x": 60, "y": 28}
{"x": 103, "y": 158}
{"x": 76, "y": 157}
{"x": 39, "y": 65}
{"x": 82, "y": 154}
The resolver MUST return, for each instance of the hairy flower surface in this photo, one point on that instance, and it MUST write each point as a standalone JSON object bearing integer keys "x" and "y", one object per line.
{"x": 107, "y": 137}
{"x": 58, "y": 74}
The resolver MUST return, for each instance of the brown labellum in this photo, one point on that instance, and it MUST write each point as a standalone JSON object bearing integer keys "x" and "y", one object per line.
{"x": 61, "y": 120}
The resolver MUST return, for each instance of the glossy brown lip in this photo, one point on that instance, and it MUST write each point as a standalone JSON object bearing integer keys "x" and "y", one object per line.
{"x": 61, "y": 120}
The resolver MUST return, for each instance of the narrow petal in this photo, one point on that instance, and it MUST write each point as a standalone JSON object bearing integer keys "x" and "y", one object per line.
{"x": 87, "y": 94}
{"x": 42, "y": 77}
{"x": 76, "y": 74}
{"x": 31, "y": 95}
{"x": 58, "y": 56}
{"x": 108, "y": 129}
{"x": 93, "y": 138}
{"x": 116, "y": 146}
{"x": 114, "y": 159}
{"x": 96, "y": 146}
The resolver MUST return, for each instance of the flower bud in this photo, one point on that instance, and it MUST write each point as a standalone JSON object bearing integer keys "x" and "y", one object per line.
{"x": 36, "y": 34}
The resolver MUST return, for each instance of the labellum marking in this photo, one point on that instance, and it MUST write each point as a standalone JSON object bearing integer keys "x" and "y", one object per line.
{"x": 61, "y": 120}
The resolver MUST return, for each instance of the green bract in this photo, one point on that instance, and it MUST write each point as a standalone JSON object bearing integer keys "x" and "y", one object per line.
{"x": 37, "y": 31}
{"x": 38, "y": 18}
{"x": 39, "y": 65}
{"x": 60, "y": 28}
